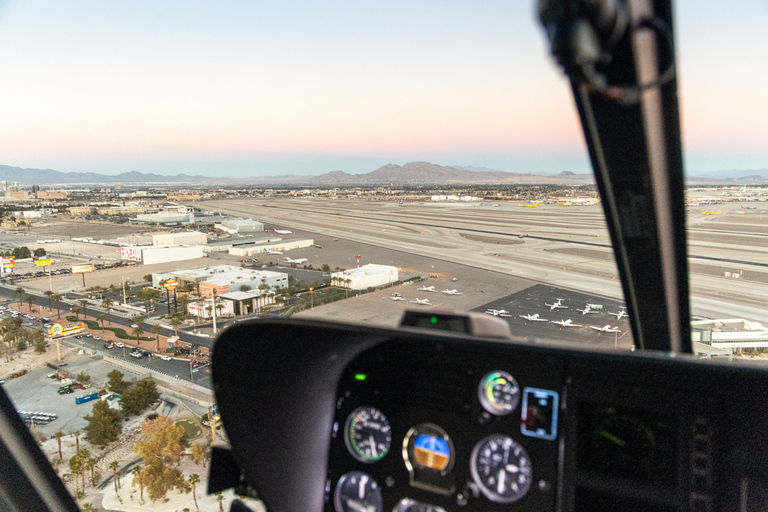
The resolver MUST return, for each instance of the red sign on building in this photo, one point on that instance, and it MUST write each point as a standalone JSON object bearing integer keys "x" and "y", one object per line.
{"x": 130, "y": 253}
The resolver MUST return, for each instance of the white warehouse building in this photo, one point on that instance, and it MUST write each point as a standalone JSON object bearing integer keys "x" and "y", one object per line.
{"x": 367, "y": 276}
{"x": 185, "y": 238}
{"x": 150, "y": 255}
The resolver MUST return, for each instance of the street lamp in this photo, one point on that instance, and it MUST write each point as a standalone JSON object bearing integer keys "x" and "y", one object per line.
{"x": 311, "y": 299}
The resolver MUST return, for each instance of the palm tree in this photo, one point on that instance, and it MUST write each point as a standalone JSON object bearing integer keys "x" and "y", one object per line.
{"x": 194, "y": 479}
{"x": 48, "y": 293}
{"x": 183, "y": 302}
{"x": 101, "y": 319}
{"x": 175, "y": 322}
{"x": 113, "y": 466}
{"x": 156, "y": 329}
{"x": 220, "y": 499}
{"x": 30, "y": 301}
{"x": 20, "y": 291}
{"x": 91, "y": 465}
{"x": 219, "y": 307}
{"x": 137, "y": 480}
{"x": 138, "y": 331}
{"x": 84, "y": 304}
{"x": 76, "y": 311}
{"x": 76, "y": 434}
{"x": 58, "y": 435}
{"x": 107, "y": 304}
{"x": 57, "y": 299}
{"x": 87, "y": 507}
{"x": 83, "y": 455}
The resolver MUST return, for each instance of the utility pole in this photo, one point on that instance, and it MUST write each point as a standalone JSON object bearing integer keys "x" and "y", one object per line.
{"x": 213, "y": 310}
{"x": 124, "y": 299}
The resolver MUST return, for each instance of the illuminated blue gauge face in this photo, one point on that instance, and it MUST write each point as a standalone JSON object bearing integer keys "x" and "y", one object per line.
{"x": 499, "y": 393}
{"x": 367, "y": 434}
{"x": 501, "y": 469}
{"x": 409, "y": 505}
{"x": 357, "y": 492}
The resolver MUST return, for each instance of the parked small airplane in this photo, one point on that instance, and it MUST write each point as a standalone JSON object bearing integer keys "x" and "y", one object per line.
{"x": 556, "y": 305}
{"x": 497, "y": 312}
{"x": 749, "y": 207}
{"x": 527, "y": 205}
{"x": 711, "y": 213}
{"x": 566, "y": 323}
{"x": 621, "y": 314}
{"x": 398, "y": 298}
{"x": 606, "y": 328}
{"x": 595, "y": 306}
{"x": 422, "y": 302}
{"x": 452, "y": 292}
{"x": 534, "y": 318}
{"x": 427, "y": 289}
{"x": 300, "y": 260}
{"x": 272, "y": 252}
{"x": 586, "y": 310}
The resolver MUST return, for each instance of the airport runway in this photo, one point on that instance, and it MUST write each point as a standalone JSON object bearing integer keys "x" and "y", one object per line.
{"x": 562, "y": 246}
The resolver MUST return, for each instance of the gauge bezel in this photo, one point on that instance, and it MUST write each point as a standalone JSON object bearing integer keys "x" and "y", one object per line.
{"x": 490, "y": 406}
{"x": 337, "y": 491}
{"x": 348, "y": 441}
{"x": 488, "y": 493}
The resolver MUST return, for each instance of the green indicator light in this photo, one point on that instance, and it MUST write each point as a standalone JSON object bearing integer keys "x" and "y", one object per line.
{"x": 360, "y": 376}
{"x": 433, "y": 320}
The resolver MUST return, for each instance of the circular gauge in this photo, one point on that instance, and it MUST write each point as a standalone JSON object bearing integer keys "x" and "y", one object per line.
{"x": 501, "y": 469}
{"x": 499, "y": 393}
{"x": 428, "y": 446}
{"x": 367, "y": 434}
{"x": 357, "y": 491}
{"x": 409, "y": 505}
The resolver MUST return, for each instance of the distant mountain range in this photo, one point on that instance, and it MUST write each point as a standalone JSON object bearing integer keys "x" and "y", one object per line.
{"x": 413, "y": 173}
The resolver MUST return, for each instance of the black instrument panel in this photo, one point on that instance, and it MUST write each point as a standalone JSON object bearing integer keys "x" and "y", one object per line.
{"x": 384, "y": 420}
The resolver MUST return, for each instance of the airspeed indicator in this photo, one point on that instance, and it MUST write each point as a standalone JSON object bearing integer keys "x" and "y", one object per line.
{"x": 367, "y": 434}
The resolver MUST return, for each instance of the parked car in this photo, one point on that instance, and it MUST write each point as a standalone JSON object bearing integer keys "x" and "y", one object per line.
{"x": 136, "y": 354}
{"x": 165, "y": 358}
{"x": 109, "y": 345}
{"x": 119, "y": 344}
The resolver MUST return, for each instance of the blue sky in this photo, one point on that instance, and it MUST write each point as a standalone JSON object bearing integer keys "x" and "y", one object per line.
{"x": 239, "y": 88}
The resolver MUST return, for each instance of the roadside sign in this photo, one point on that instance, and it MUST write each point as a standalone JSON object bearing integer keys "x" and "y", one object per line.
{"x": 9, "y": 262}
{"x": 43, "y": 263}
{"x": 82, "y": 269}
{"x": 170, "y": 284}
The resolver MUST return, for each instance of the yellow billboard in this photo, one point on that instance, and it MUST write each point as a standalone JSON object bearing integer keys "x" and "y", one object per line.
{"x": 43, "y": 263}
{"x": 81, "y": 269}
{"x": 58, "y": 330}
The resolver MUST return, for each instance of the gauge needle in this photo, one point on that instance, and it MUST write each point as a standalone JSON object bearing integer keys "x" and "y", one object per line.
{"x": 373, "y": 446}
{"x": 502, "y": 478}
{"x": 361, "y": 487}
{"x": 356, "y": 506}
{"x": 612, "y": 438}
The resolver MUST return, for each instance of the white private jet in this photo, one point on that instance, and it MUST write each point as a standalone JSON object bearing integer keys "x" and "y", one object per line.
{"x": 497, "y": 312}
{"x": 587, "y": 310}
{"x": 422, "y": 302}
{"x": 452, "y": 292}
{"x": 566, "y": 323}
{"x": 272, "y": 252}
{"x": 426, "y": 289}
{"x": 621, "y": 314}
{"x": 556, "y": 305}
{"x": 397, "y": 298}
{"x": 300, "y": 260}
{"x": 534, "y": 318}
{"x": 606, "y": 328}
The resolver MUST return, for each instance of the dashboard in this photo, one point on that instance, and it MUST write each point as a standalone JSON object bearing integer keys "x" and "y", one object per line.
{"x": 341, "y": 418}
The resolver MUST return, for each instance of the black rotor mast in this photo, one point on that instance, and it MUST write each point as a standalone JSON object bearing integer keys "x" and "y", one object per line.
{"x": 619, "y": 57}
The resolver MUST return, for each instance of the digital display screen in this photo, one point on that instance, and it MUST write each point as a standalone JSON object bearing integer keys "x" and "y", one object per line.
{"x": 539, "y": 413}
{"x": 628, "y": 443}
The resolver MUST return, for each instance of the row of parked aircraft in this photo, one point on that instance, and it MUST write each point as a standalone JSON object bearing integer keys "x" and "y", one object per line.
{"x": 432, "y": 289}
{"x": 565, "y": 323}
{"x": 589, "y": 308}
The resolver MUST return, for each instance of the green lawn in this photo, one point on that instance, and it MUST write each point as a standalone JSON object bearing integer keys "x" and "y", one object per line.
{"x": 119, "y": 332}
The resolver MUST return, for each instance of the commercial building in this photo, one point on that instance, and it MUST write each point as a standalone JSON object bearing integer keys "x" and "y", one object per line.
{"x": 729, "y": 333}
{"x": 233, "y": 303}
{"x": 185, "y": 238}
{"x": 82, "y": 211}
{"x": 236, "y": 225}
{"x": 150, "y": 255}
{"x": 261, "y": 248}
{"x": 223, "y": 279}
{"x": 170, "y": 217}
{"x": 226, "y": 245}
{"x": 367, "y": 276}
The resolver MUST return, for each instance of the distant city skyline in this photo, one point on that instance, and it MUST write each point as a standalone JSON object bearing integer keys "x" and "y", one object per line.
{"x": 253, "y": 88}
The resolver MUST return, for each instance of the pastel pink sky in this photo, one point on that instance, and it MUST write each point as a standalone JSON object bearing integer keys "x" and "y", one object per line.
{"x": 181, "y": 86}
